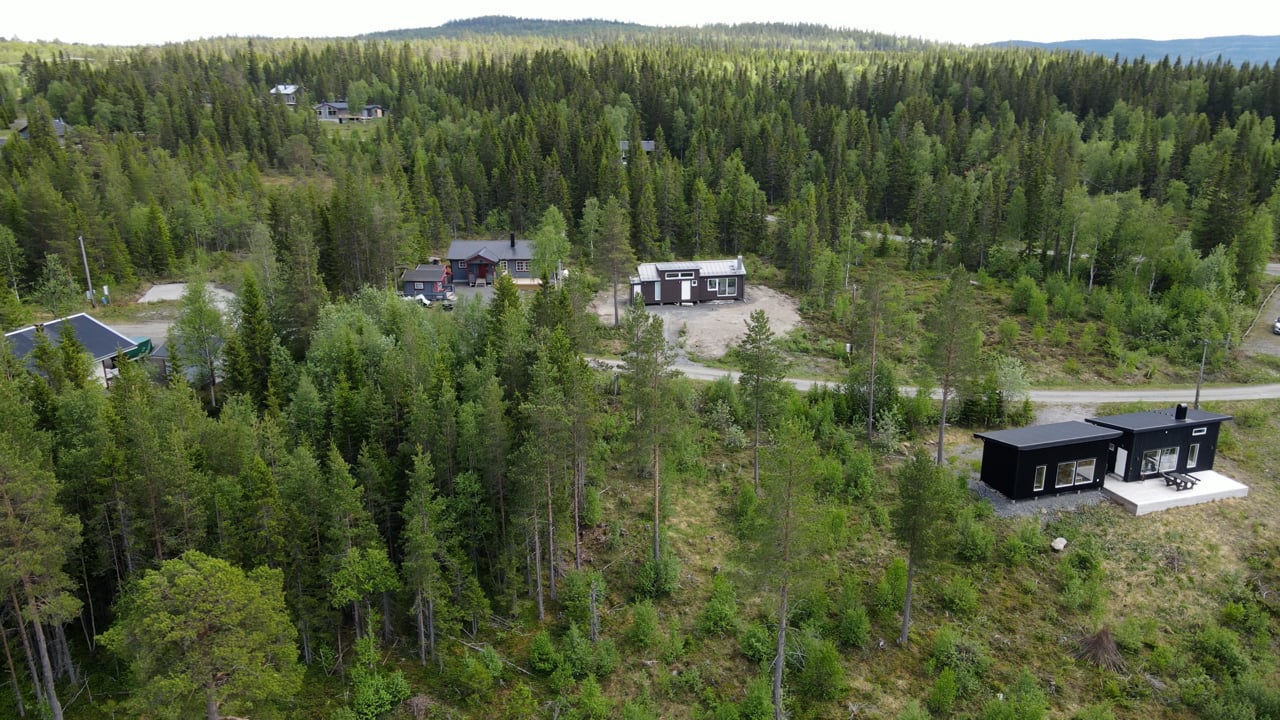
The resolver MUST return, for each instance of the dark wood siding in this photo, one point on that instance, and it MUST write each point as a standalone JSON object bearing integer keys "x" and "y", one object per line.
{"x": 1013, "y": 471}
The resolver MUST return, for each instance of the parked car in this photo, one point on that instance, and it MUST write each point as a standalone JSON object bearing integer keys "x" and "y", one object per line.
{"x": 419, "y": 298}
{"x": 1276, "y": 327}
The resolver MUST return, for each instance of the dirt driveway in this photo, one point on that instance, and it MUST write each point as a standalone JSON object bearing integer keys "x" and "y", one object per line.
{"x": 163, "y": 299}
{"x": 710, "y": 329}
{"x": 1261, "y": 339}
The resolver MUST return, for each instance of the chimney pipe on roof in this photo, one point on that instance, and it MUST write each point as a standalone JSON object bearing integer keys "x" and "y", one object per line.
{"x": 513, "y": 241}
{"x": 1180, "y": 412}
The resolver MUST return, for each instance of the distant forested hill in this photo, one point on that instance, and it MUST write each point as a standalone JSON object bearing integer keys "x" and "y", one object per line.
{"x": 760, "y": 35}
{"x": 1236, "y": 49}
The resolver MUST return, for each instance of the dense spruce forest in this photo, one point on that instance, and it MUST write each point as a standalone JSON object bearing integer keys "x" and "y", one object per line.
{"x": 381, "y": 510}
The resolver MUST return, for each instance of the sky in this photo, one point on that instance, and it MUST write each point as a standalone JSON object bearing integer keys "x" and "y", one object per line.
{"x": 136, "y": 22}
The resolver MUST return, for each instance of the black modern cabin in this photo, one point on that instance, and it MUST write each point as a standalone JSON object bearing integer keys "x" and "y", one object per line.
{"x": 1174, "y": 440}
{"x": 1042, "y": 460}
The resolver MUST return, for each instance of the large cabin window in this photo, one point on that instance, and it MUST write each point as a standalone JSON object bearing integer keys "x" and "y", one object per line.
{"x": 1158, "y": 460}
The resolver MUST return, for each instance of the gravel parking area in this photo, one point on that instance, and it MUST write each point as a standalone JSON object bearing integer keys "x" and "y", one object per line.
{"x": 710, "y": 329}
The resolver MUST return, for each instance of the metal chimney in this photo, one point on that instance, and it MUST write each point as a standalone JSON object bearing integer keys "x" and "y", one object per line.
{"x": 1180, "y": 412}
{"x": 513, "y": 241}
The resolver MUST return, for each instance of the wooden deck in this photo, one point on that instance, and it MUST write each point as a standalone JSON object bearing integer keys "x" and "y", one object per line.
{"x": 1153, "y": 495}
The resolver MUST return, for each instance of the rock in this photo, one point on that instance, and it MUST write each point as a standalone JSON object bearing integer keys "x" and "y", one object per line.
{"x": 1059, "y": 544}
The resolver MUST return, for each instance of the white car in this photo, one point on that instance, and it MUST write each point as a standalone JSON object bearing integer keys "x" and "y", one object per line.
{"x": 419, "y": 298}
{"x": 1276, "y": 328}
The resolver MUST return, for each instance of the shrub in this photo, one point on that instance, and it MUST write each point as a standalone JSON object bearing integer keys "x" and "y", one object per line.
{"x": 853, "y": 626}
{"x": 943, "y": 695}
{"x": 720, "y": 614}
{"x": 891, "y": 592}
{"x": 756, "y": 642}
{"x": 658, "y": 578}
{"x": 821, "y": 677}
{"x": 577, "y": 652}
{"x": 966, "y": 658}
{"x": 543, "y": 657}
{"x": 591, "y": 704}
{"x": 1007, "y": 332}
{"x": 643, "y": 631}
{"x": 758, "y": 702}
{"x": 1024, "y": 544}
{"x": 974, "y": 540}
{"x": 959, "y": 595}
{"x": 1218, "y": 651}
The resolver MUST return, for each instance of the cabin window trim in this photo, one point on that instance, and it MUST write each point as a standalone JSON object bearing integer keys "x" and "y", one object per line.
{"x": 1197, "y": 432}
{"x": 679, "y": 275}
{"x": 1041, "y": 470}
{"x": 522, "y": 266}
{"x": 1193, "y": 455}
{"x": 713, "y": 284}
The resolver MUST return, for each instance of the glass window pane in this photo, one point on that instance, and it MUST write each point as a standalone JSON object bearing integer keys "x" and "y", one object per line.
{"x": 1193, "y": 455}
{"x": 1084, "y": 471}
{"x": 1066, "y": 474}
{"x": 1040, "y": 472}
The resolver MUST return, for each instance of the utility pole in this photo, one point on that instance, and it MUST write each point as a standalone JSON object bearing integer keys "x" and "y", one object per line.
{"x": 1204, "y": 354}
{"x": 88, "y": 283}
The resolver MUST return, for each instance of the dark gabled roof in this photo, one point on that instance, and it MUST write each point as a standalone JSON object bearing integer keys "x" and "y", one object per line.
{"x": 425, "y": 273}
{"x": 98, "y": 339}
{"x": 1036, "y": 437}
{"x": 1158, "y": 419}
{"x": 491, "y": 250}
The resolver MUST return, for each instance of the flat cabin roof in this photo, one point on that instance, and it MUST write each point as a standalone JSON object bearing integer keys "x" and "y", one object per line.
{"x": 1157, "y": 419}
{"x": 1036, "y": 437}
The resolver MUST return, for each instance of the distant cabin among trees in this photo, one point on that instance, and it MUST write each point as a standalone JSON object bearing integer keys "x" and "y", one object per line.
{"x": 693, "y": 281}
{"x": 339, "y": 111}
{"x": 288, "y": 94}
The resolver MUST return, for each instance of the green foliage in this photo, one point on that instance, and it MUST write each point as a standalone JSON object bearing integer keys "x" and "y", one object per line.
{"x": 890, "y": 592}
{"x": 720, "y": 614}
{"x": 591, "y": 703}
{"x": 975, "y": 540}
{"x": 1218, "y": 651}
{"x": 1022, "y": 544}
{"x": 821, "y": 676}
{"x": 853, "y": 625}
{"x": 965, "y": 658}
{"x": 757, "y": 703}
{"x": 942, "y": 696}
{"x": 1024, "y": 700}
{"x": 959, "y": 595}
{"x": 914, "y": 711}
{"x": 658, "y": 578}
{"x": 756, "y": 641}
{"x": 642, "y": 633}
{"x": 199, "y": 627}
{"x": 543, "y": 657}
{"x": 376, "y": 691}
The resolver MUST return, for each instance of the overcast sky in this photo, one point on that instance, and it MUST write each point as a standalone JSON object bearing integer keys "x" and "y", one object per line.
{"x": 977, "y": 21}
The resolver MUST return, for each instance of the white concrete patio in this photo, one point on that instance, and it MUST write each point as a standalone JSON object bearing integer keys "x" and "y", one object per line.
{"x": 1153, "y": 495}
